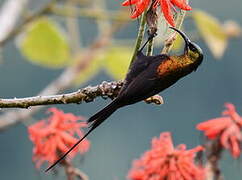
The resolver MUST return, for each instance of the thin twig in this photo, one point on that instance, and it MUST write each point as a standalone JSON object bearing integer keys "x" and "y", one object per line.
{"x": 171, "y": 39}
{"x": 72, "y": 172}
{"x": 140, "y": 36}
{"x": 150, "y": 47}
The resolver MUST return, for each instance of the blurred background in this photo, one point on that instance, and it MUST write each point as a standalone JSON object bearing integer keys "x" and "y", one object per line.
{"x": 24, "y": 71}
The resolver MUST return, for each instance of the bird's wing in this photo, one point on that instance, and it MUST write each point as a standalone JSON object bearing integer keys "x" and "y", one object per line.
{"x": 139, "y": 65}
{"x": 144, "y": 85}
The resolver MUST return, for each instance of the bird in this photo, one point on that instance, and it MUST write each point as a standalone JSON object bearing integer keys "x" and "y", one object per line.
{"x": 147, "y": 76}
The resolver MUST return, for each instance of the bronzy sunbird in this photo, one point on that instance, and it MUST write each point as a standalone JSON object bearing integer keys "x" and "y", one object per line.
{"x": 147, "y": 76}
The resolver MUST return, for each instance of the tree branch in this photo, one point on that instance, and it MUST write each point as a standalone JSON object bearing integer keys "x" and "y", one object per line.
{"x": 88, "y": 94}
{"x": 64, "y": 81}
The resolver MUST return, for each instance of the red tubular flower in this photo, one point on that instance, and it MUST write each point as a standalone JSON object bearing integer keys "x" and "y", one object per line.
{"x": 226, "y": 128}
{"x": 53, "y": 136}
{"x": 164, "y": 161}
{"x": 167, "y": 7}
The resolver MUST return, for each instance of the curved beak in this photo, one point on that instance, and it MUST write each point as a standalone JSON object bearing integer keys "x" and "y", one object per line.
{"x": 186, "y": 39}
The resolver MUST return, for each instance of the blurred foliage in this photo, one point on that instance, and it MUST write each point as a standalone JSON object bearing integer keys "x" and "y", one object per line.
{"x": 232, "y": 29}
{"x": 211, "y": 31}
{"x": 117, "y": 61}
{"x": 91, "y": 69}
{"x": 45, "y": 44}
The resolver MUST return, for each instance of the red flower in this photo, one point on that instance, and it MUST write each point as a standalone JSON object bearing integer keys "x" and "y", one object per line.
{"x": 227, "y": 128}
{"x": 164, "y": 161}
{"x": 55, "y": 135}
{"x": 167, "y": 7}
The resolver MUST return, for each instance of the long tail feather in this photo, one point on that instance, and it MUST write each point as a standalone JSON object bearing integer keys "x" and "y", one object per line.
{"x": 105, "y": 112}
{"x": 94, "y": 121}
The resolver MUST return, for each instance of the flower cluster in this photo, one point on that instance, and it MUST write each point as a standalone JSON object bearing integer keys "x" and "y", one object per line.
{"x": 54, "y": 136}
{"x": 164, "y": 161}
{"x": 226, "y": 128}
{"x": 167, "y": 7}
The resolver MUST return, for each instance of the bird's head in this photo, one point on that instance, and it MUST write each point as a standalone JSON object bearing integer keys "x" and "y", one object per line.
{"x": 192, "y": 50}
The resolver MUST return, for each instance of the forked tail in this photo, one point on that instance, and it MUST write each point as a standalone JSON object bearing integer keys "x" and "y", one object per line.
{"x": 94, "y": 122}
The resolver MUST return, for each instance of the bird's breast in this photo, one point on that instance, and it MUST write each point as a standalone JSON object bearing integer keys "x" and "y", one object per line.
{"x": 173, "y": 66}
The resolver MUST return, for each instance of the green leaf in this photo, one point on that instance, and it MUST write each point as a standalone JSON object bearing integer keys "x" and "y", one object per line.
{"x": 211, "y": 31}
{"x": 45, "y": 44}
{"x": 92, "y": 69}
{"x": 117, "y": 61}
